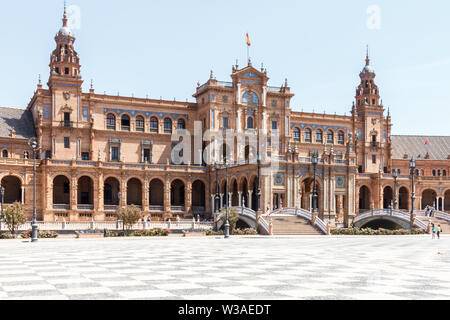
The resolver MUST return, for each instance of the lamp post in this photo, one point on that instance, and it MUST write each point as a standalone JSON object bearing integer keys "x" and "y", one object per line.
{"x": 217, "y": 198}
{"x": 412, "y": 166}
{"x": 34, "y": 145}
{"x": 315, "y": 161}
{"x": 293, "y": 151}
{"x": 395, "y": 175}
{"x": 227, "y": 223}
{"x": 2, "y": 192}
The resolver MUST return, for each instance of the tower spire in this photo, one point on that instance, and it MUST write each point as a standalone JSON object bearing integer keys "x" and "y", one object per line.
{"x": 367, "y": 56}
{"x": 65, "y": 14}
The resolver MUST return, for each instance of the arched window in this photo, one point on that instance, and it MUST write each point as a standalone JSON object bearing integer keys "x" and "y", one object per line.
{"x": 444, "y": 173}
{"x": 341, "y": 137}
{"x": 111, "y": 122}
{"x": 140, "y": 123}
{"x": 434, "y": 173}
{"x": 439, "y": 173}
{"x": 125, "y": 123}
{"x": 26, "y": 155}
{"x": 5, "y": 153}
{"x": 319, "y": 136}
{"x": 308, "y": 135}
{"x": 330, "y": 137}
{"x": 154, "y": 125}
{"x": 167, "y": 125}
{"x": 249, "y": 123}
{"x": 250, "y": 98}
{"x": 181, "y": 124}
{"x": 297, "y": 134}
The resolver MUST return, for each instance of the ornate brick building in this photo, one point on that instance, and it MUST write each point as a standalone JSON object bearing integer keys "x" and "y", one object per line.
{"x": 99, "y": 152}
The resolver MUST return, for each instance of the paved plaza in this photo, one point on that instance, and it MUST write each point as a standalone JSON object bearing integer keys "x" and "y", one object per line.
{"x": 257, "y": 268}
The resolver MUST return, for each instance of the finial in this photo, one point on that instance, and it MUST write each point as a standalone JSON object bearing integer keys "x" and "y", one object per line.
{"x": 211, "y": 76}
{"x": 198, "y": 84}
{"x": 367, "y": 56}
{"x": 65, "y": 14}
{"x": 285, "y": 83}
{"x": 237, "y": 64}
{"x": 262, "y": 67}
{"x": 39, "y": 80}
{"x": 92, "y": 84}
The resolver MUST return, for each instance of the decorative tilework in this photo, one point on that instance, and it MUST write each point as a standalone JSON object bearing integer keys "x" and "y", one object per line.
{"x": 315, "y": 126}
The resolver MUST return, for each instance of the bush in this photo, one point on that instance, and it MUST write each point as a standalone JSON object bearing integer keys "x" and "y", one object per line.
{"x": 41, "y": 234}
{"x": 372, "y": 232}
{"x": 237, "y": 232}
{"x": 7, "y": 235}
{"x": 14, "y": 216}
{"x": 129, "y": 216}
{"x": 157, "y": 232}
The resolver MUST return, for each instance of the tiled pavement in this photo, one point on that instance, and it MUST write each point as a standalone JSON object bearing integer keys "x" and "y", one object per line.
{"x": 257, "y": 268}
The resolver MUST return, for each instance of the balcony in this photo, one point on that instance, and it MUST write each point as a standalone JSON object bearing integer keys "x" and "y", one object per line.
{"x": 86, "y": 207}
{"x": 178, "y": 208}
{"x": 198, "y": 209}
{"x": 110, "y": 207}
{"x": 61, "y": 206}
{"x": 67, "y": 124}
{"x": 156, "y": 208}
{"x": 375, "y": 144}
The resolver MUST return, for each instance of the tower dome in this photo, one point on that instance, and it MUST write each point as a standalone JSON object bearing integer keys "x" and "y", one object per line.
{"x": 65, "y": 31}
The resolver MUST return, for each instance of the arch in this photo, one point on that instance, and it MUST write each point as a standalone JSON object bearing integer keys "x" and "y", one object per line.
{"x": 125, "y": 122}
{"x": 85, "y": 190}
{"x": 385, "y": 223}
{"x": 319, "y": 135}
{"x": 341, "y": 137}
{"x": 177, "y": 193}
{"x": 156, "y": 192}
{"x": 111, "y": 190}
{"x": 429, "y": 198}
{"x": 167, "y": 125}
{"x": 447, "y": 200}
{"x": 5, "y": 153}
{"x": 254, "y": 187}
{"x": 181, "y": 123}
{"x": 61, "y": 190}
{"x": 140, "y": 123}
{"x": 110, "y": 121}
{"x": 225, "y": 152}
{"x": 250, "y": 97}
{"x": 330, "y": 136}
{"x": 154, "y": 124}
{"x": 199, "y": 194}
{"x": 403, "y": 197}
{"x": 250, "y": 123}
{"x": 388, "y": 197}
{"x": 364, "y": 198}
{"x": 307, "y": 192}
{"x": 13, "y": 189}
{"x": 234, "y": 193}
{"x": 134, "y": 192}
{"x": 296, "y": 134}
{"x": 308, "y": 135}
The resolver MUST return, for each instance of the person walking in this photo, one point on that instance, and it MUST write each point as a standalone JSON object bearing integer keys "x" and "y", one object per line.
{"x": 148, "y": 219}
{"x": 438, "y": 231}
{"x": 433, "y": 231}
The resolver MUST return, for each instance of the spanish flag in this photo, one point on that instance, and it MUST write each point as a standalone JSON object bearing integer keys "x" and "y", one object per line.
{"x": 248, "y": 40}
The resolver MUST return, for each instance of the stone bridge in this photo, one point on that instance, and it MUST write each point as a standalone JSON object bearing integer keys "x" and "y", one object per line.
{"x": 398, "y": 217}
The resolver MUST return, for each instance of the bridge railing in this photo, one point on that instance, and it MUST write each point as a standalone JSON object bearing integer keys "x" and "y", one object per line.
{"x": 321, "y": 225}
{"x": 442, "y": 215}
{"x": 400, "y": 214}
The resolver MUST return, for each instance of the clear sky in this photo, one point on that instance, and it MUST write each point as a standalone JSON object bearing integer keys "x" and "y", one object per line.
{"x": 162, "y": 48}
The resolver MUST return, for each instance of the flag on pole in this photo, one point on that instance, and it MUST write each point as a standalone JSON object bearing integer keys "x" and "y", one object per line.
{"x": 426, "y": 141}
{"x": 248, "y": 40}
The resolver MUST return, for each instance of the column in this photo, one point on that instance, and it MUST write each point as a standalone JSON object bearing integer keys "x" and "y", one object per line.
{"x": 23, "y": 195}
{"x": 74, "y": 194}
{"x": 264, "y": 96}
{"x": 188, "y": 199}
{"x": 221, "y": 200}
{"x": 264, "y": 129}
{"x": 212, "y": 203}
{"x": 167, "y": 196}
{"x": 240, "y": 199}
{"x": 238, "y": 93}
{"x": 250, "y": 192}
{"x": 145, "y": 199}
{"x": 239, "y": 121}
{"x": 99, "y": 199}
{"x": 230, "y": 195}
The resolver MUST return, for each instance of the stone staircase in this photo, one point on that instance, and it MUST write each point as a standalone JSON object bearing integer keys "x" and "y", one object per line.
{"x": 292, "y": 225}
{"x": 445, "y": 225}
